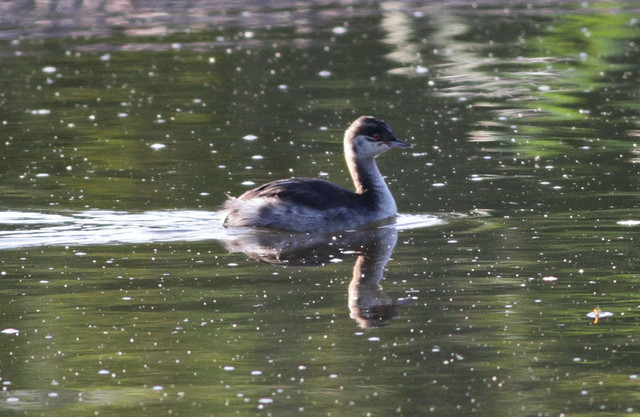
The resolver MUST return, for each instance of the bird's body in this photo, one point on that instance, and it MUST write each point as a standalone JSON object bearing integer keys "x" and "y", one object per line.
{"x": 314, "y": 205}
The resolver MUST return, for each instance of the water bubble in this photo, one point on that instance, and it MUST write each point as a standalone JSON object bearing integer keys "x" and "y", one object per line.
{"x": 10, "y": 331}
{"x": 157, "y": 146}
{"x": 49, "y": 70}
{"x": 324, "y": 74}
{"x": 105, "y": 57}
{"x": 228, "y": 368}
{"x": 250, "y": 137}
{"x": 339, "y": 30}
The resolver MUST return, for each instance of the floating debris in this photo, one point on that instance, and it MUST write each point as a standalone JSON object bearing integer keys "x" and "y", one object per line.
{"x": 596, "y": 314}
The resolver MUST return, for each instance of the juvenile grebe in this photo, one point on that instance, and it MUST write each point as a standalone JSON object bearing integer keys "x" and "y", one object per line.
{"x": 312, "y": 205}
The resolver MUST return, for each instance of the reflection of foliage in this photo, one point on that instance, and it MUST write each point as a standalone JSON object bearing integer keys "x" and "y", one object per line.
{"x": 569, "y": 76}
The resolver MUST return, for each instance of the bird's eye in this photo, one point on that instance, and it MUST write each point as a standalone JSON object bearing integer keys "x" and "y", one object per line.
{"x": 376, "y": 136}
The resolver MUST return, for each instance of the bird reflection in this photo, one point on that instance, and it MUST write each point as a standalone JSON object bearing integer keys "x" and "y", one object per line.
{"x": 370, "y": 306}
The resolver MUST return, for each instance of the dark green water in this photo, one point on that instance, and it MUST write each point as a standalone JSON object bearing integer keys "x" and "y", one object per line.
{"x": 124, "y": 126}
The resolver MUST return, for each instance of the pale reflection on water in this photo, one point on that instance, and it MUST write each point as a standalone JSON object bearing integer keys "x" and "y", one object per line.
{"x": 27, "y": 229}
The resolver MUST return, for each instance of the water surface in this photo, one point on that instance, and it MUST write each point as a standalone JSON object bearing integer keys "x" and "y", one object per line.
{"x": 125, "y": 126}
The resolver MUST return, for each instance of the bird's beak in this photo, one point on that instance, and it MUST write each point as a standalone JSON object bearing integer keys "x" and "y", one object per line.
{"x": 397, "y": 143}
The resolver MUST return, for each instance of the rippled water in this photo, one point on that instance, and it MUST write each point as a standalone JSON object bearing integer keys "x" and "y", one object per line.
{"x": 507, "y": 286}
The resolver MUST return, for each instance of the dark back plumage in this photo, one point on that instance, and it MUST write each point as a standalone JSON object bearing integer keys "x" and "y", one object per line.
{"x": 309, "y": 192}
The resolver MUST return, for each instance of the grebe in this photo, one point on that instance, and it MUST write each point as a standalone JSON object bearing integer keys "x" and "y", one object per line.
{"x": 313, "y": 205}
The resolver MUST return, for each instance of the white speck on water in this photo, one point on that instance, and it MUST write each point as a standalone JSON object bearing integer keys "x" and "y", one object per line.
{"x": 52, "y": 394}
{"x": 42, "y": 175}
{"x": 104, "y": 372}
{"x": 40, "y": 112}
{"x": 105, "y": 57}
{"x": 123, "y": 115}
{"x": 629, "y": 222}
{"x": 157, "y": 146}
{"x": 577, "y": 359}
{"x": 333, "y": 376}
{"x": 80, "y": 253}
{"x": 324, "y": 73}
{"x": 249, "y": 34}
{"x": 250, "y": 137}
{"x": 229, "y": 368}
{"x": 248, "y": 183}
{"x": 283, "y": 87}
{"x": 265, "y": 400}
{"x": 256, "y": 372}
{"x": 257, "y": 157}
{"x": 12, "y": 400}
{"x": 438, "y": 184}
{"x": 421, "y": 70}
{"x": 633, "y": 376}
{"x": 339, "y": 30}
{"x": 544, "y": 88}
{"x": 126, "y": 298}
{"x": 302, "y": 367}
{"x": 10, "y": 331}
{"x": 435, "y": 349}
{"x": 49, "y": 69}
{"x": 43, "y": 281}
{"x": 374, "y": 339}
{"x": 204, "y": 194}
{"x": 550, "y": 278}
{"x": 157, "y": 387}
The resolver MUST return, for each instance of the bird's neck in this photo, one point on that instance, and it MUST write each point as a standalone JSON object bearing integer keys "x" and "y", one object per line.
{"x": 369, "y": 182}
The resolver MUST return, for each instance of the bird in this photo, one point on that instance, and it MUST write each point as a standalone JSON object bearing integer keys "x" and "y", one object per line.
{"x": 312, "y": 205}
